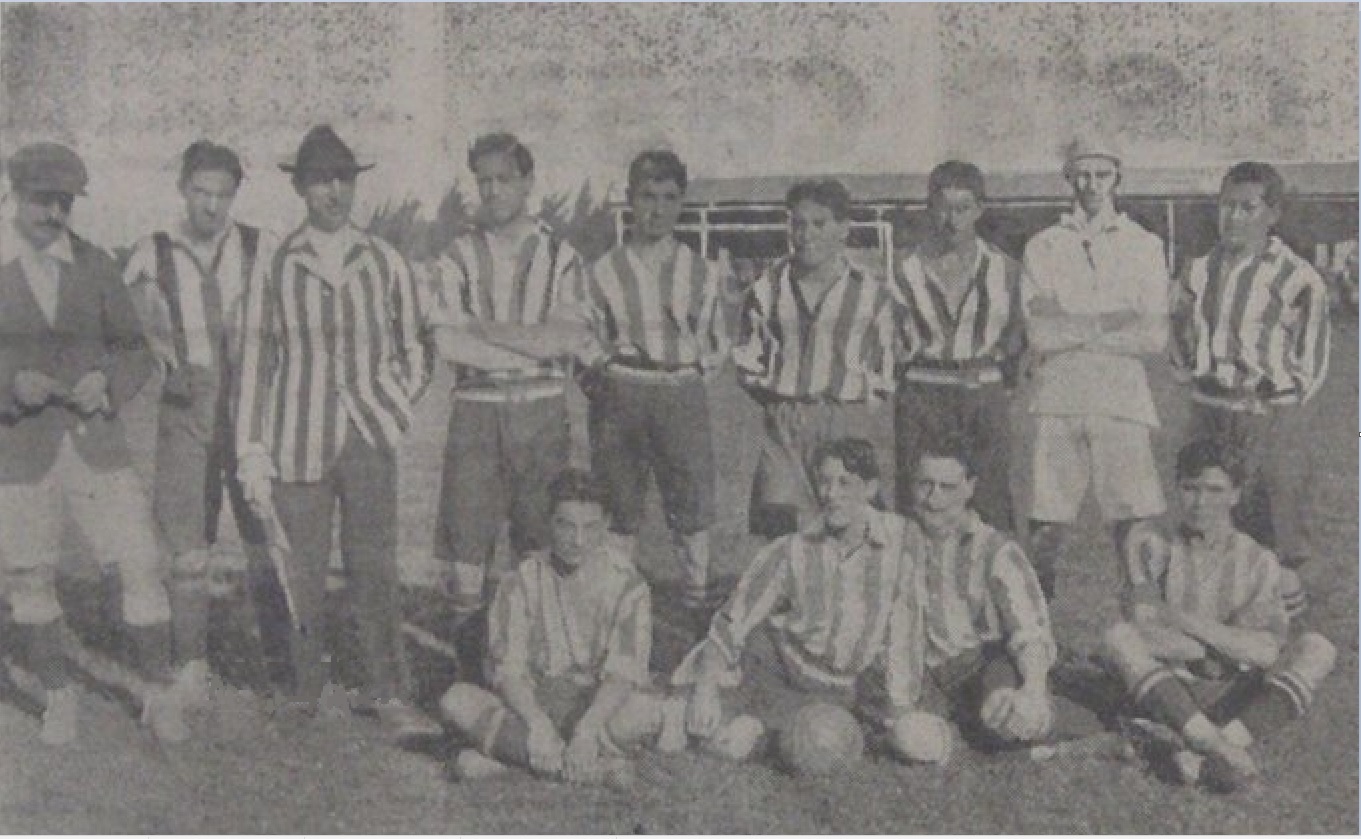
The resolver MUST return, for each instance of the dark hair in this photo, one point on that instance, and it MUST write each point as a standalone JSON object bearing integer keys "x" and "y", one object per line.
{"x": 955, "y": 174}
{"x": 657, "y": 165}
{"x": 1197, "y": 456}
{"x": 855, "y": 454}
{"x": 206, "y": 156}
{"x": 501, "y": 142}
{"x": 950, "y": 447}
{"x": 829, "y": 193}
{"x": 575, "y": 485}
{"x": 1253, "y": 172}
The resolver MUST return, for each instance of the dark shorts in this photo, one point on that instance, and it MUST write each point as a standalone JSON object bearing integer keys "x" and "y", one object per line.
{"x": 957, "y": 688}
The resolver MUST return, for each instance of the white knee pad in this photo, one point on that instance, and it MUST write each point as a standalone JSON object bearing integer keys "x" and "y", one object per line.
{"x": 924, "y": 738}
{"x": 145, "y": 601}
{"x": 32, "y": 595}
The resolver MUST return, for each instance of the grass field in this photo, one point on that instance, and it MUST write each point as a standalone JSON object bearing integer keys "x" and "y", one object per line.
{"x": 243, "y": 774}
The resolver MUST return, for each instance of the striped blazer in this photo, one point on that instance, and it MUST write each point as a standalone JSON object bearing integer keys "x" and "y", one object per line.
{"x": 320, "y": 353}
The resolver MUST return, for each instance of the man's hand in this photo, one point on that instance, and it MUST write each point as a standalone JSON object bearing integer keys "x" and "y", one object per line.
{"x": 545, "y": 747}
{"x": 33, "y": 389}
{"x": 255, "y": 472}
{"x": 581, "y": 761}
{"x": 1022, "y": 714}
{"x": 704, "y": 712}
{"x": 91, "y": 393}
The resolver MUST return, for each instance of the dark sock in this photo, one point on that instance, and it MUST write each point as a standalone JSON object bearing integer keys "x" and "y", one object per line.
{"x": 45, "y": 657}
{"x": 189, "y": 611}
{"x": 152, "y": 647}
{"x": 1166, "y": 699}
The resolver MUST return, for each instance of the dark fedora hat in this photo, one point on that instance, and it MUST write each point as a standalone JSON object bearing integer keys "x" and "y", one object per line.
{"x": 322, "y": 149}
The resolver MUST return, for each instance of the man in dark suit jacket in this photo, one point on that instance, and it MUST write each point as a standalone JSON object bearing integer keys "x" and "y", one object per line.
{"x": 71, "y": 354}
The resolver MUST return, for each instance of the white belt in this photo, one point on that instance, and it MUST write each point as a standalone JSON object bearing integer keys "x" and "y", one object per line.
{"x": 512, "y": 393}
{"x": 943, "y": 377}
{"x": 659, "y": 376}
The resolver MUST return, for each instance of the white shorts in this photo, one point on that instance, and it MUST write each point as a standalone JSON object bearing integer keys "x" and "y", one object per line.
{"x": 1114, "y": 455}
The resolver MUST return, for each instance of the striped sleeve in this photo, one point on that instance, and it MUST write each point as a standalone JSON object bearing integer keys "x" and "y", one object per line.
{"x": 570, "y": 297}
{"x": 1307, "y": 356}
{"x": 876, "y": 351}
{"x": 755, "y": 341}
{"x": 1262, "y": 607}
{"x": 508, "y": 632}
{"x": 905, "y": 656}
{"x": 630, "y": 638}
{"x": 1147, "y": 554}
{"x": 259, "y": 354}
{"x": 1185, "y": 334}
{"x": 1020, "y": 602}
{"x": 711, "y": 327}
{"x": 413, "y": 361}
{"x": 450, "y": 280}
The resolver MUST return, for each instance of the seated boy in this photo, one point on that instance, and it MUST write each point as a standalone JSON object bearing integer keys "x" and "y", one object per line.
{"x": 569, "y": 638}
{"x": 1203, "y": 647}
{"x": 818, "y": 616}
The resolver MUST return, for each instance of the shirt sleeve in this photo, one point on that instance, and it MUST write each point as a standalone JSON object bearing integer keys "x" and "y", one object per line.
{"x": 755, "y": 344}
{"x": 1307, "y": 355}
{"x": 905, "y": 656}
{"x": 763, "y": 588}
{"x": 508, "y": 652}
{"x": 630, "y": 638}
{"x": 450, "y": 288}
{"x": 413, "y": 361}
{"x": 711, "y": 328}
{"x": 876, "y": 351}
{"x": 1183, "y": 348}
{"x": 1148, "y": 334}
{"x": 259, "y": 354}
{"x": 152, "y": 309}
{"x": 1147, "y": 554}
{"x": 1263, "y": 608}
{"x": 1020, "y": 603}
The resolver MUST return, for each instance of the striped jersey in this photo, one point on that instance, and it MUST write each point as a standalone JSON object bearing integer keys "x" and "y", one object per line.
{"x": 838, "y": 348}
{"x": 977, "y": 587}
{"x": 325, "y": 346}
{"x": 1236, "y": 583}
{"x": 1258, "y": 328}
{"x": 471, "y": 285}
{"x": 201, "y": 314}
{"x": 585, "y": 624}
{"x": 832, "y": 617}
{"x": 986, "y": 326}
{"x": 667, "y": 319}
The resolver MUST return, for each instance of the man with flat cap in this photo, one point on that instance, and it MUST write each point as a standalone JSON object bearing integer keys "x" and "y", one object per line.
{"x": 73, "y": 355}
{"x": 331, "y": 364}
{"x": 1095, "y": 298}
{"x": 187, "y": 283}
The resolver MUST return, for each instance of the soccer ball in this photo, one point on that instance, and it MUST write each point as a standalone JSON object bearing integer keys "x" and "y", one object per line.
{"x": 822, "y": 739}
{"x": 924, "y": 737}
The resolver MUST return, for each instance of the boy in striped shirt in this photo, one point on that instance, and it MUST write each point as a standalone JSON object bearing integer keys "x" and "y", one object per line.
{"x": 331, "y": 366}
{"x": 1203, "y": 647}
{"x": 961, "y": 334}
{"x": 1250, "y": 337}
{"x": 814, "y": 350}
{"x": 988, "y": 640}
{"x": 823, "y": 614}
{"x": 188, "y": 283}
{"x": 507, "y": 318}
{"x": 570, "y": 633}
{"x": 654, "y": 306}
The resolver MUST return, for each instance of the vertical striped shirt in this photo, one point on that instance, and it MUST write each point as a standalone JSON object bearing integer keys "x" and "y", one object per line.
{"x": 321, "y": 351}
{"x": 1236, "y": 583}
{"x": 975, "y": 338}
{"x": 226, "y": 274}
{"x": 838, "y": 348}
{"x": 1257, "y": 329}
{"x": 470, "y": 285}
{"x": 665, "y": 319}
{"x": 592, "y": 623}
{"x": 977, "y": 587}
{"x": 832, "y": 617}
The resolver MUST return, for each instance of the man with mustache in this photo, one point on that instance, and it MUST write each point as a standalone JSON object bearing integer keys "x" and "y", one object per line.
{"x": 73, "y": 355}
{"x": 814, "y": 350}
{"x": 1096, "y": 301}
{"x": 1251, "y": 339}
{"x": 187, "y": 282}
{"x": 332, "y": 363}
{"x": 961, "y": 334}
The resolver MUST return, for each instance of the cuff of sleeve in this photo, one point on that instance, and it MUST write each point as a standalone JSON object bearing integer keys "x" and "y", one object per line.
{"x": 687, "y": 673}
{"x": 1034, "y": 640}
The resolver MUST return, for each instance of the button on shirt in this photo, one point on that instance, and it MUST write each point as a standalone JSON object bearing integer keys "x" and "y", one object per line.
{"x": 1092, "y": 270}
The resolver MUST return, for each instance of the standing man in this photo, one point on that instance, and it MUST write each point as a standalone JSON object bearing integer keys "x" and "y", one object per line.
{"x": 508, "y": 320}
{"x": 1096, "y": 300}
{"x": 331, "y": 365}
{"x": 654, "y": 304}
{"x": 961, "y": 334}
{"x": 815, "y": 350}
{"x": 73, "y": 355}
{"x": 1250, "y": 336}
{"x": 187, "y": 284}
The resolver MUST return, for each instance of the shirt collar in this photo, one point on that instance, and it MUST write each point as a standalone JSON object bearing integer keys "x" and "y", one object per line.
{"x": 184, "y": 236}
{"x": 876, "y": 529}
{"x": 1077, "y": 221}
{"x": 1273, "y": 251}
{"x": 968, "y": 526}
{"x": 13, "y": 246}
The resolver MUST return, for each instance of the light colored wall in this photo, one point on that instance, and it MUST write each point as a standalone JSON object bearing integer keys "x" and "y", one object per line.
{"x": 736, "y": 89}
